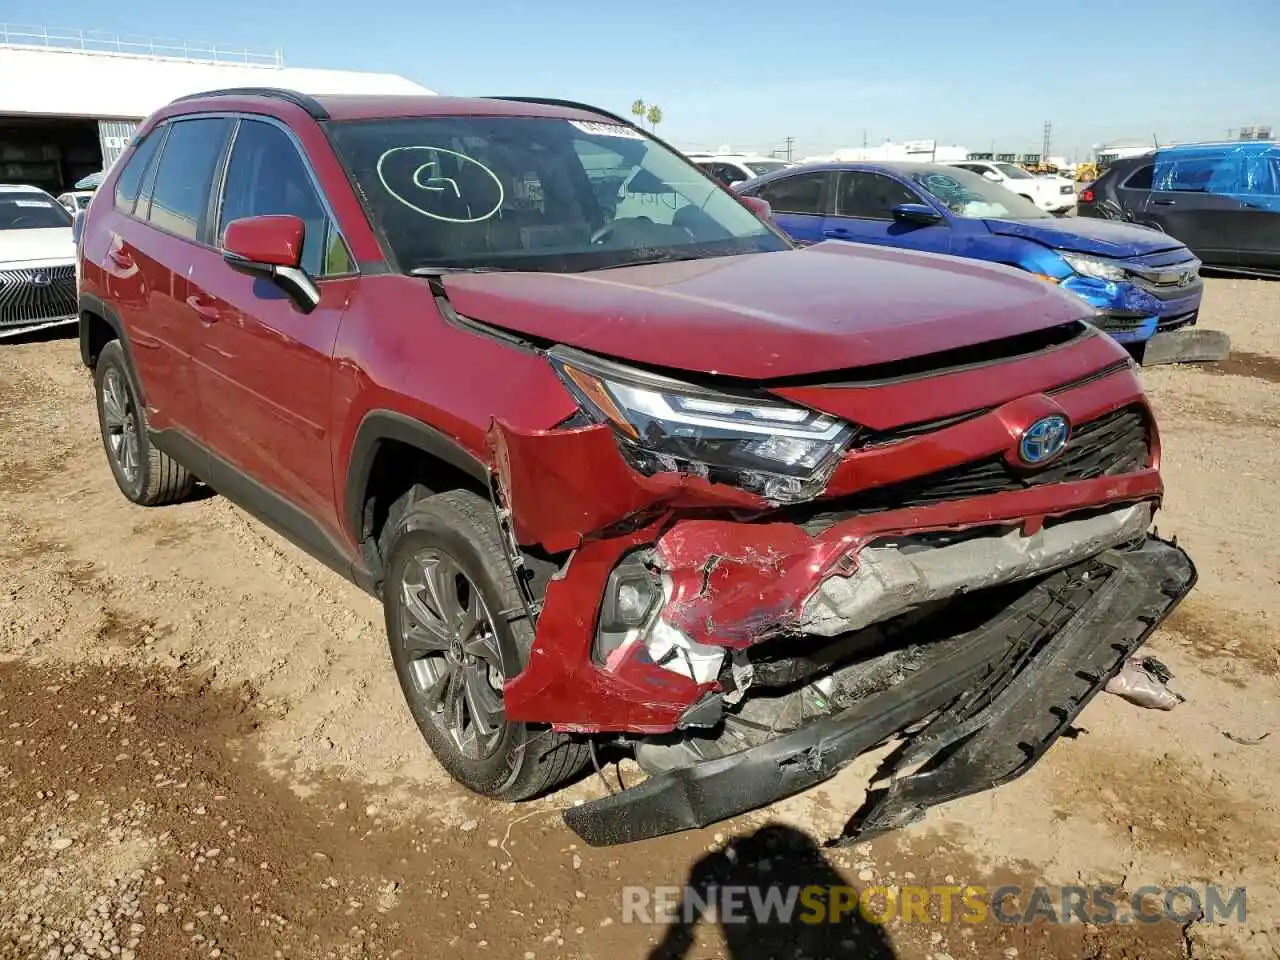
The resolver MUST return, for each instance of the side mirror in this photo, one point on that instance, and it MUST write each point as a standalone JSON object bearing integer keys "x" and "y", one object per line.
{"x": 271, "y": 247}
{"x": 757, "y": 206}
{"x": 919, "y": 214}
{"x": 993, "y": 176}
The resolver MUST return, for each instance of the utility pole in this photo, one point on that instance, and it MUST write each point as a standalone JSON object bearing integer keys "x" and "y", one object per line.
{"x": 1044, "y": 153}
{"x": 789, "y": 141}
{"x": 864, "y": 136}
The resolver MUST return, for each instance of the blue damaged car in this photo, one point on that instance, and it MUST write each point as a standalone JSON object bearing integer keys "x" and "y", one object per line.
{"x": 1140, "y": 281}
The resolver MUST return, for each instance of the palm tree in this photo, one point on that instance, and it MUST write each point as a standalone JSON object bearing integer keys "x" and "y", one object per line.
{"x": 638, "y": 109}
{"x": 654, "y": 116}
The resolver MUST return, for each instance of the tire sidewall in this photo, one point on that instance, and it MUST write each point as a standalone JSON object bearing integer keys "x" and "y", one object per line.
{"x": 112, "y": 358}
{"x": 418, "y": 530}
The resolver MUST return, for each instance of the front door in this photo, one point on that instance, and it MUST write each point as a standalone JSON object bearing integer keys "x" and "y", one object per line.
{"x": 864, "y": 203}
{"x": 263, "y": 366}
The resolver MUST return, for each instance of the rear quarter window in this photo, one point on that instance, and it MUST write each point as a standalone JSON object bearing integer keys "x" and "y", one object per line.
{"x": 129, "y": 183}
{"x": 1140, "y": 179}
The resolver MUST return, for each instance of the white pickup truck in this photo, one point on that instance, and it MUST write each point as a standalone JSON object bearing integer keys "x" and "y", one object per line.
{"x": 1053, "y": 194}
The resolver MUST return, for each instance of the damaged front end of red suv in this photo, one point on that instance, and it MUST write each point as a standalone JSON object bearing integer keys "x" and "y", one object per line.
{"x": 760, "y": 586}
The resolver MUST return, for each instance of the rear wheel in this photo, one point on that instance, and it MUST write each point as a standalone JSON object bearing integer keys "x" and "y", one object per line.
{"x": 144, "y": 474}
{"x": 446, "y": 595}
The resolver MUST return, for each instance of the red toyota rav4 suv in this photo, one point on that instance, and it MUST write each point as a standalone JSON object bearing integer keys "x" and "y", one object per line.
{"x": 622, "y": 462}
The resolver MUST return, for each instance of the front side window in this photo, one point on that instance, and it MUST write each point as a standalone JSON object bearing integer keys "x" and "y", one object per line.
{"x": 184, "y": 178}
{"x": 799, "y": 194}
{"x": 538, "y": 193}
{"x": 969, "y": 195}
{"x": 870, "y": 196}
{"x": 760, "y": 167}
{"x": 22, "y": 210}
{"x": 266, "y": 175}
{"x": 129, "y": 183}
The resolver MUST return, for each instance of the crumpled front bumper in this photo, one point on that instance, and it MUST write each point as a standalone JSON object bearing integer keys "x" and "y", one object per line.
{"x": 1130, "y": 314}
{"x": 995, "y": 698}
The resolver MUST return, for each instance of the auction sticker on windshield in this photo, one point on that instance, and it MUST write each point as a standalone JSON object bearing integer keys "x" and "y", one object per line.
{"x": 607, "y": 129}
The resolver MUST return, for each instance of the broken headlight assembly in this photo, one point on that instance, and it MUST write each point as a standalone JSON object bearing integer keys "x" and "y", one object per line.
{"x": 1094, "y": 267}
{"x": 781, "y": 452}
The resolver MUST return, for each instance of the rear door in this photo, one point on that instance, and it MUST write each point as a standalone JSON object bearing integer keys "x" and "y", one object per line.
{"x": 1187, "y": 203}
{"x": 152, "y": 254}
{"x": 262, "y": 366}
{"x": 864, "y": 203}
{"x": 800, "y": 203}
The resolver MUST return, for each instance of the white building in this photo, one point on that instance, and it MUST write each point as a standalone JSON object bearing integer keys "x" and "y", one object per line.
{"x": 70, "y": 100}
{"x": 920, "y": 151}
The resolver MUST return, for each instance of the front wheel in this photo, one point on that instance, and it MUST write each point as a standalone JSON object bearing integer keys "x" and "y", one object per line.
{"x": 446, "y": 597}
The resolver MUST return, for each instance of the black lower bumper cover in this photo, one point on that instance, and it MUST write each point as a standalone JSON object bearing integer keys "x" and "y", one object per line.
{"x": 997, "y": 703}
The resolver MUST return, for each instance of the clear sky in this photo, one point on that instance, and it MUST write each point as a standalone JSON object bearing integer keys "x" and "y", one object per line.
{"x": 826, "y": 72}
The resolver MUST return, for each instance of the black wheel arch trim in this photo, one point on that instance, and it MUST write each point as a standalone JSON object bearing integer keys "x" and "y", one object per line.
{"x": 87, "y": 303}
{"x": 380, "y": 425}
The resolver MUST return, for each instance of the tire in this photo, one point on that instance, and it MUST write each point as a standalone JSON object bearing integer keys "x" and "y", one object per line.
{"x": 144, "y": 474}
{"x": 448, "y": 546}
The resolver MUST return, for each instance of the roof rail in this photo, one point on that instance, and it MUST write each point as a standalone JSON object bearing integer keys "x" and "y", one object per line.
{"x": 309, "y": 104}
{"x": 572, "y": 104}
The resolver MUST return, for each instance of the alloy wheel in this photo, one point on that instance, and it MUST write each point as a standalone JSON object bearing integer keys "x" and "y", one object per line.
{"x": 451, "y": 647}
{"x": 120, "y": 422}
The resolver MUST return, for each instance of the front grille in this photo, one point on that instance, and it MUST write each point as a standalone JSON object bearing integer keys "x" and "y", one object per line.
{"x": 1116, "y": 443}
{"x": 37, "y": 294}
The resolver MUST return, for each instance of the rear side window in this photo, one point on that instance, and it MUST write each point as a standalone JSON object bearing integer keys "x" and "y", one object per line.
{"x": 1195, "y": 174}
{"x": 1140, "y": 179}
{"x": 266, "y": 175}
{"x": 184, "y": 179}
{"x": 129, "y": 183}
{"x": 799, "y": 194}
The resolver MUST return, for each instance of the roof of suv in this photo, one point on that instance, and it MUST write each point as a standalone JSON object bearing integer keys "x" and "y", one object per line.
{"x": 383, "y": 106}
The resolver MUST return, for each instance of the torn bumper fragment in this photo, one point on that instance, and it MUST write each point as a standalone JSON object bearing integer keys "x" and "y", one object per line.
{"x": 983, "y": 704}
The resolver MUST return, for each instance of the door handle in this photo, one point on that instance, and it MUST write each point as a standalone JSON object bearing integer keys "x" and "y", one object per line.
{"x": 205, "y": 311}
{"x": 120, "y": 259}
{"x": 1165, "y": 203}
{"x": 836, "y": 233}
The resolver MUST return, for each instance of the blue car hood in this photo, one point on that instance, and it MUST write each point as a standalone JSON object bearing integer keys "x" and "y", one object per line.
{"x": 1102, "y": 238}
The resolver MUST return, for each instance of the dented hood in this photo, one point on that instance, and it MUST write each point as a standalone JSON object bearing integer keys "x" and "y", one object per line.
{"x": 1105, "y": 238}
{"x": 831, "y": 306}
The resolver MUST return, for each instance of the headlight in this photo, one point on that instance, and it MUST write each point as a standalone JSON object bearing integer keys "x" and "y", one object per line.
{"x": 781, "y": 452}
{"x": 1093, "y": 267}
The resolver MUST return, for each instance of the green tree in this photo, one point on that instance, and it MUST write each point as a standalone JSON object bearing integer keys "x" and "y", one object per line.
{"x": 638, "y": 109}
{"x": 654, "y": 116}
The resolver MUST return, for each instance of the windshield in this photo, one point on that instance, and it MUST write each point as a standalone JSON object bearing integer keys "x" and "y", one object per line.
{"x": 1013, "y": 172}
{"x": 31, "y": 211}
{"x": 973, "y": 196}
{"x": 538, "y": 193}
{"x": 761, "y": 167}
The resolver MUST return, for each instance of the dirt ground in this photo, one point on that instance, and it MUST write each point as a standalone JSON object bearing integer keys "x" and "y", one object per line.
{"x": 203, "y": 752}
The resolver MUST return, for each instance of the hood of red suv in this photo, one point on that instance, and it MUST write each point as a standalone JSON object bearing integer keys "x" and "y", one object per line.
{"x": 832, "y": 306}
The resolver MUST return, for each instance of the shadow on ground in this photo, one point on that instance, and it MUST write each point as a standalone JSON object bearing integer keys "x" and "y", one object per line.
{"x": 781, "y": 861}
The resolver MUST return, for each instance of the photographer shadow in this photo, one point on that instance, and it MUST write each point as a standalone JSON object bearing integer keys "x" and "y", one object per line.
{"x": 781, "y": 859}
